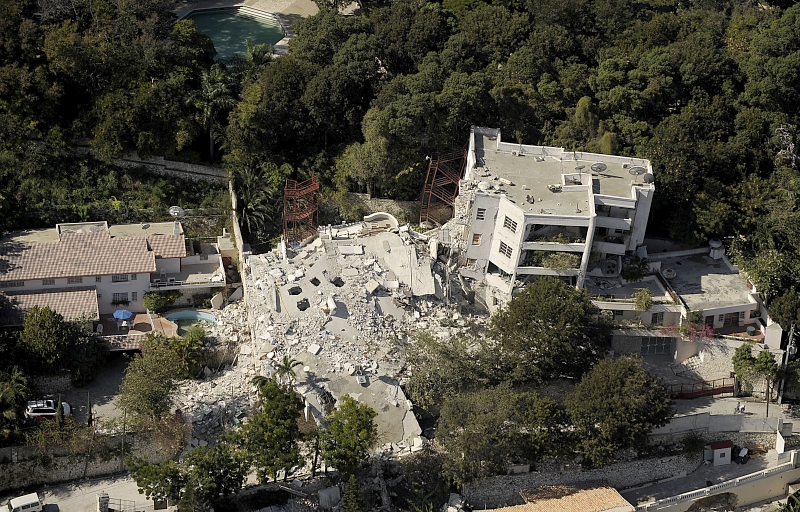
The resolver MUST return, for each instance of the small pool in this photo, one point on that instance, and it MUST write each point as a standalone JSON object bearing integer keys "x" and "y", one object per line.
{"x": 230, "y": 27}
{"x": 187, "y": 318}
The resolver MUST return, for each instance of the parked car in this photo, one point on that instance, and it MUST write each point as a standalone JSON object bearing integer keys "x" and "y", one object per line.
{"x": 39, "y": 409}
{"x": 28, "y": 503}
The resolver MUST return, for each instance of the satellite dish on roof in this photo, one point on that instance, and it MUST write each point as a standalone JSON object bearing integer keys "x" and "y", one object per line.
{"x": 649, "y": 178}
{"x": 599, "y": 167}
{"x": 145, "y": 226}
{"x": 637, "y": 171}
{"x": 177, "y": 211}
{"x": 484, "y": 185}
{"x": 580, "y": 167}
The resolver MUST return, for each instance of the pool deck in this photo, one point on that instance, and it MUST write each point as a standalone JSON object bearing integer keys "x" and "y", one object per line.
{"x": 287, "y": 11}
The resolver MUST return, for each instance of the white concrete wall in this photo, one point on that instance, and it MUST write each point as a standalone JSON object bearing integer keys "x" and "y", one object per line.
{"x": 106, "y": 290}
{"x": 167, "y": 265}
{"x": 485, "y": 228}
{"x": 644, "y": 200}
{"x": 503, "y": 234}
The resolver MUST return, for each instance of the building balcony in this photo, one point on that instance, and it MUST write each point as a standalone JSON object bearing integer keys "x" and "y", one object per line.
{"x": 543, "y": 271}
{"x": 604, "y": 221}
{"x": 610, "y": 247}
{"x": 202, "y": 275}
{"x": 553, "y": 246}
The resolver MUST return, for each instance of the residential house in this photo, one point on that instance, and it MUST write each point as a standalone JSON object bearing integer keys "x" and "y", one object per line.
{"x": 90, "y": 269}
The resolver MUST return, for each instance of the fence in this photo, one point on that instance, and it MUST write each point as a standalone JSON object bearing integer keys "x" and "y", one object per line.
{"x": 668, "y": 503}
{"x": 703, "y": 388}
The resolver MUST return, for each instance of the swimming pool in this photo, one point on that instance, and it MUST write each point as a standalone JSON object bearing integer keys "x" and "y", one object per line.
{"x": 187, "y": 318}
{"x": 230, "y": 27}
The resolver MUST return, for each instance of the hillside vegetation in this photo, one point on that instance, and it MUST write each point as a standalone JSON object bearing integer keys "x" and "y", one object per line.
{"x": 707, "y": 90}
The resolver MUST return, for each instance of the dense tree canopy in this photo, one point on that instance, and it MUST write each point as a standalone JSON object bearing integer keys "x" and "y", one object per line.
{"x": 550, "y": 330}
{"x": 484, "y": 430}
{"x": 708, "y": 91}
{"x": 615, "y": 406}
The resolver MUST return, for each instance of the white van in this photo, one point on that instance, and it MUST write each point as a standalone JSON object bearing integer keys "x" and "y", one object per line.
{"x": 27, "y": 503}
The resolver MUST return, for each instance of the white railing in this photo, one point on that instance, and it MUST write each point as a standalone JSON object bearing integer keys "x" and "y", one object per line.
{"x": 715, "y": 489}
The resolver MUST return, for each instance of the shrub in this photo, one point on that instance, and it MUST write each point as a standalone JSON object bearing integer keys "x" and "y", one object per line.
{"x": 159, "y": 301}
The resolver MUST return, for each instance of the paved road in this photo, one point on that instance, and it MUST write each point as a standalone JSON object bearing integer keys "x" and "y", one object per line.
{"x": 82, "y": 496}
{"x": 753, "y": 408}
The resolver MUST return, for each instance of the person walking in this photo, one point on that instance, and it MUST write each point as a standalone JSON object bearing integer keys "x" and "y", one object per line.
{"x": 738, "y": 405}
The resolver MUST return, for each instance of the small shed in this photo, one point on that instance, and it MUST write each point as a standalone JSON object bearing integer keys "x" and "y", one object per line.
{"x": 722, "y": 452}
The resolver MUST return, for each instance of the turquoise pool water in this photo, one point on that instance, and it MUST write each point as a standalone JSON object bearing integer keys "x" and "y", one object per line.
{"x": 187, "y": 318}
{"x": 230, "y": 27}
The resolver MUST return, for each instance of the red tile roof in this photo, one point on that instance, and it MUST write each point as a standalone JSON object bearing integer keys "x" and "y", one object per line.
{"x": 71, "y": 303}
{"x": 76, "y": 255}
{"x": 167, "y": 246}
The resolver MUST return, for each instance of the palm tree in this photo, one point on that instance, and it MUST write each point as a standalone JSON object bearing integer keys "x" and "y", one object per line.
{"x": 285, "y": 369}
{"x": 13, "y": 391}
{"x": 256, "y": 202}
{"x": 213, "y": 97}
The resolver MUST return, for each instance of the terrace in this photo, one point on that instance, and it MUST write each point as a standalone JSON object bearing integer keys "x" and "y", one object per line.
{"x": 127, "y": 335}
{"x": 200, "y": 275}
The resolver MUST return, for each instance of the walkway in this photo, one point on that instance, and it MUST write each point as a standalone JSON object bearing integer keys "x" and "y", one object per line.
{"x": 699, "y": 479}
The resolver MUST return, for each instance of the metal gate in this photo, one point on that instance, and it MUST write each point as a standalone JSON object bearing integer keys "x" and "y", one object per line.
{"x": 656, "y": 345}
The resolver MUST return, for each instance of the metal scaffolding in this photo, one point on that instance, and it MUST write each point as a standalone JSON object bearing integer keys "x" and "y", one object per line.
{"x": 300, "y": 209}
{"x": 441, "y": 187}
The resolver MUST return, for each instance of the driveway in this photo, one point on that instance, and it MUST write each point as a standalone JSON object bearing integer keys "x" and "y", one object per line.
{"x": 103, "y": 390}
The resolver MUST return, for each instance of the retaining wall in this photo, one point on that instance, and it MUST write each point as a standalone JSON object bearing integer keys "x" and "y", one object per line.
{"x": 35, "y": 469}
{"x": 405, "y": 211}
{"x": 501, "y": 490}
{"x": 161, "y": 165}
{"x": 52, "y": 385}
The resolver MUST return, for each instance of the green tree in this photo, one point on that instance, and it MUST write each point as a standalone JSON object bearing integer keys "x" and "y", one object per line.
{"x": 766, "y": 367}
{"x": 785, "y": 309}
{"x": 285, "y": 370}
{"x": 270, "y": 438}
{"x": 351, "y": 500}
{"x": 349, "y": 434}
{"x": 162, "y": 481}
{"x": 449, "y": 367}
{"x": 642, "y": 300}
{"x": 205, "y": 478}
{"x": 615, "y": 406}
{"x": 47, "y": 340}
{"x": 189, "y": 349}
{"x": 13, "y": 394}
{"x": 549, "y": 328}
{"x": 483, "y": 430}
{"x": 744, "y": 364}
{"x": 215, "y": 473}
{"x": 212, "y": 99}
{"x": 151, "y": 379}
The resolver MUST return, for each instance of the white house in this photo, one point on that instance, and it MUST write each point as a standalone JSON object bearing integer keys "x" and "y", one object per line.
{"x": 90, "y": 269}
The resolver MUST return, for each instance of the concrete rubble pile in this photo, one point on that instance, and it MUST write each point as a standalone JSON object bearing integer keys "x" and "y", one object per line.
{"x": 345, "y": 306}
{"x": 223, "y": 395}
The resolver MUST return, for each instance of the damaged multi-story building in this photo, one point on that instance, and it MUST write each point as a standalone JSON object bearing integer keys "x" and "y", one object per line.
{"x": 522, "y": 211}
{"x": 534, "y": 210}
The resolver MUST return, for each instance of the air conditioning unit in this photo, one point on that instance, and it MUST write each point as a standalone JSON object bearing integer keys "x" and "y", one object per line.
{"x": 515, "y": 153}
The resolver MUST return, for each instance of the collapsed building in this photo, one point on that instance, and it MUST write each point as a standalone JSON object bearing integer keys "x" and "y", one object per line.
{"x": 345, "y": 305}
